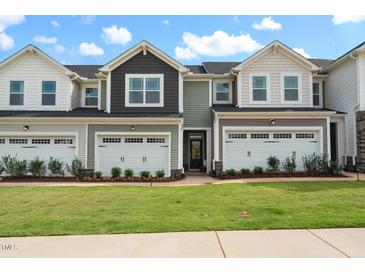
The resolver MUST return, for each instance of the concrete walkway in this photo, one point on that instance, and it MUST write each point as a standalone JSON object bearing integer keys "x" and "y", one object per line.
{"x": 313, "y": 243}
{"x": 196, "y": 180}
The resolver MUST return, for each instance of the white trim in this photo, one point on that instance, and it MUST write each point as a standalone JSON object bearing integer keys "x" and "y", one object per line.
{"x": 86, "y": 143}
{"x": 250, "y": 88}
{"x": 230, "y": 95}
{"x": 297, "y": 74}
{"x": 268, "y": 128}
{"x": 42, "y": 133}
{"x": 144, "y": 76}
{"x": 181, "y": 93}
{"x": 99, "y": 94}
{"x": 69, "y": 95}
{"x": 210, "y": 83}
{"x": 328, "y": 138}
{"x": 83, "y": 94}
{"x": 108, "y": 93}
{"x": 310, "y": 77}
{"x": 180, "y": 151}
{"x": 107, "y": 133}
{"x": 216, "y": 138}
{"x": 239, "y": 90}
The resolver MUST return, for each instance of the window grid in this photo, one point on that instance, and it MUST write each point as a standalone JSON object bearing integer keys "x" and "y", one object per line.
{"x": 259, "y": 88}
{"x": 237, "y": 136}
{"x": 289, "y": 90}
{"x": 18, "y": 141}
{"x": 48, "y": 93}
{"x": 155, "y": 140}
{"x": 133, "y": 140}
{"x": 259, "y": 136}
{"x": 222, "y": 91}
{"x": 149, "y": 92}
{"x": 2, "y": 141}
{"x": 63, "y": 141}
{"x": 112, "y": 140}
{"x": 16, "y": 93}
{"x": 282, "y": 136}
{"x": 304, "y": 135}
{"x": 41, "y": 141}
{"x": 91, "y": 96}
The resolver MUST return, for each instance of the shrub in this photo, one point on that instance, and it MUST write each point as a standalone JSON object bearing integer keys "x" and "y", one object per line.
{"x": 76, "y": 169}
{"x": 2, "y": 167}
{"x": 231, "y": 172}
{"x": 145, "y": 174}
{"x": 334, "y": 168}
{"x": 160, "y": 173}
{"x": 310, "y": 163}
{"x": 128, "y": 173}
{"x": 245, "y": 171}
{"x": 323, "y": 164}
{"x": 116, "y": 172}
{"x": 258, "y": 170}
{"x": 289, "y": 164}
{"x": 14, "y": 167}
{"x": 37, "y": 167}
{"x": 273, "y": 163}
{"x": 98, "y": 174}
{"x": 56, "y": 167}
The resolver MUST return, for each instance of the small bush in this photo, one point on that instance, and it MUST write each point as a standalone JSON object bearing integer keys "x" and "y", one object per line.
{"x": 2, "y": 167}
{"x": 258, "y": 170}
{"x": 145, "y": 174}
{"x": 334, "y": 168}
{"x": 56, "y": 167}
{"x": 14, "y": 167}
{"x": 324, "y": 164}
{"x": 128, "y": 173}
{"x": 116, "y": 172}
{"x": 37, "y": 168}
{"x": 98, "y": 174}
{"x": 289, "y": 164}
{"x": 160, "y": 173}
{"x": 231, "y": 172}
{"x": 273, "y": 163}
{"x": 76, "y": 169}
{"x": 245, "y": 171}
{"x": 310, "y": 163}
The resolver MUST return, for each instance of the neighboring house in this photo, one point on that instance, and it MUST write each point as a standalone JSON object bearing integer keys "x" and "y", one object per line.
{"x": 146, "y": 111}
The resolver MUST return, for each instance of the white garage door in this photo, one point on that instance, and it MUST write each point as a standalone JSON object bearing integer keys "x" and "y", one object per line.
{"x": 29, "y": 148}
{"x": 247, "y": 149}
{"x": 137, "y": 152}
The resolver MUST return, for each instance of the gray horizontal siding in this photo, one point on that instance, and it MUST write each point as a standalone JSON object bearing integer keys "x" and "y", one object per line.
{"x": 197, "y": 112}
{"x": 279, "y": 123}
{"x": 173, "y": 129}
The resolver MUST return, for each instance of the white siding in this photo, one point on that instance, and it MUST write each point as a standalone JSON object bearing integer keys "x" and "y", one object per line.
{"x": 341, "y": 95}
{"x": 75, "y": 95}
{"x": 361, "y": 79}
{"x": 33, "y": 69}
{"x": 273, "y": 65}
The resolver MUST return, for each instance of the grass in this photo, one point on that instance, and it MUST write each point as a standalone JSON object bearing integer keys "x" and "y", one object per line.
{"x": 93, "y": 210}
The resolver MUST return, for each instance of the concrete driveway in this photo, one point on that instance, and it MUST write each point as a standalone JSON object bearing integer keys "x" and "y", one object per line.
{"x": 319, "y": 243}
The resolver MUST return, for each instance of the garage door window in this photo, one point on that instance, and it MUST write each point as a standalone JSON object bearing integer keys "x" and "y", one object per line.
{"x": 48, "y": 93}
{"x": 237, "y": 136}
{"x": 16, "y": 93}
{"x": 304, "y": 136}
{"x": 110, "y": 140}
{"x": 259, "y": 136}
{"x": 133, "y": 140}
{"x": 41, "y": 141}
{"x": 282, "y": 135}
{"x": 155, "y": 140}
{"x": 18, "y": 141}
{"x": 144, "y": 90}
{"x": 2, "y": 141}
{"x": 63, "y": 141}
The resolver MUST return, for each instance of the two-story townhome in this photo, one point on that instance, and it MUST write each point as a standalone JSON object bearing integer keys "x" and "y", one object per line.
{"x": 145, "y": 111}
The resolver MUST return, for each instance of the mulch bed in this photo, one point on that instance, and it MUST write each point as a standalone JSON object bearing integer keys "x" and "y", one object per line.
{"x": 278, "y": 174}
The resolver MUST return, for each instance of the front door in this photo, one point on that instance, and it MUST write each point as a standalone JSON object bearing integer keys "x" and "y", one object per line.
{"x": 196, "y": 160}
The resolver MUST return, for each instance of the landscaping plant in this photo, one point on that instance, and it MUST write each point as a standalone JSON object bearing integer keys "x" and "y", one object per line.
{"x": 116, "y": 172}
{"x": 289, "y": 164}
{"x": 310, "y": 163}
{"x": 245, "y": 171}
{"x": 231, "y": 172}
{"x": 128, "y": 173}
{"x": 98, "y": 174}
{"x": 2, "y": 167}
{"x": 160, "y": 173}
{"x": 76, "y": 169}
{"x": 37, "y": 167}
{"x": 14, "y": 167}
{"x": 145, "y": 174}
{"x": 258, "y": 170}
{"x": 56, "y": 167}
{"x": 273, "y": 163}
{"x": 334, "y": 168}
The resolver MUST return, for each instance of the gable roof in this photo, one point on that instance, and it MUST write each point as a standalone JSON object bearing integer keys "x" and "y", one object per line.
{"x": 33, "y": 48}
{"x": 198, "y": 69}
{"x": 343, "y": 57}
{"x": 219, "y": 67}
{"x": 321, "y": 62}
{"x": 143, "y": 46}
{"x": 86, "y": 71}
{"x": 275, "y": 44}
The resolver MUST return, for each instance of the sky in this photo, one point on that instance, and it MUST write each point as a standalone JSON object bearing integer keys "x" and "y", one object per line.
{"x": 189, "y": 39}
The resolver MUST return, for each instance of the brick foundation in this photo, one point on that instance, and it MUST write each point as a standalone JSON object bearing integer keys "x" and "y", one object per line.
{"x": 219, "y": 168}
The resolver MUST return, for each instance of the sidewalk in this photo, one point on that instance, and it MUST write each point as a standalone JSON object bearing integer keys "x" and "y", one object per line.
{"x": 312, "y": 243}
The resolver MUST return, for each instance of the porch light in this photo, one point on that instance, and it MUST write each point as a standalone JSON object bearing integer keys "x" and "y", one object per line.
{"x": 133, "y": 128}
{"x": 25, "y": 127}
{"x": 272, "y": 122}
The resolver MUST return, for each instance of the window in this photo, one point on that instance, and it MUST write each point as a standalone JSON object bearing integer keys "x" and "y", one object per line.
{"x": 259, "y": 136}
{"x": 237, "y": 136}
{"x": 291, "y": 88}
{"x": 316, "y": 95}
{"x": 222, "y": 92}
{"x": 304, "y": 135}
{"x": 91, "y": 97}
{"x": 16, "y": 93}
{"x": 155, "y": 140}
{"x": 282, "y": 135}
{"x": 112, "y": 140}
{"x": 18, "y": 141}
{"x": 63, "y": 141}
{"x": 133, "y": 140}
{"x": 48, "y": 93}
{"x": 144, "y": 90}
{"x": 259, "y": 88}
{"x": 41, "y": 141}
{"x": 2, "y": 141}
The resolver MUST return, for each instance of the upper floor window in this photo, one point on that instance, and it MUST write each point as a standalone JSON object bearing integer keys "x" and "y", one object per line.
{"x": 317, "y": 96}
{"x": 290, "y": 88}
{"x": 222, "y": 92}
{"x": 259, "y": 88}
{"x": 91, "y": 97}
{"x": 144, "y": 90}
{"x": 48, "y": 93}
{"x": 16, "y": 93}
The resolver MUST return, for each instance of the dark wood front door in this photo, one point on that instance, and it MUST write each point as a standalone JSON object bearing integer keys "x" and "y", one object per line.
{"x": 196, "y": 159}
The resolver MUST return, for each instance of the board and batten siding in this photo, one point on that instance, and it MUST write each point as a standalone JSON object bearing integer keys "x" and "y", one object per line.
{"x": 51, "y": 129}
{"x": 341, "y": 95}
{"x": 274, "y": 64}
{"x": 279, "y": 123}
{"x": 33, "y": 69}
{"x": 173, "y": 129}
{"x": 145, "y": 64}
{"x": 197, "y": 112}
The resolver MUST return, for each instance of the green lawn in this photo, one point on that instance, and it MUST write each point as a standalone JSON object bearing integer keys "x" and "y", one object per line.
{"x": 116, "y": 209}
